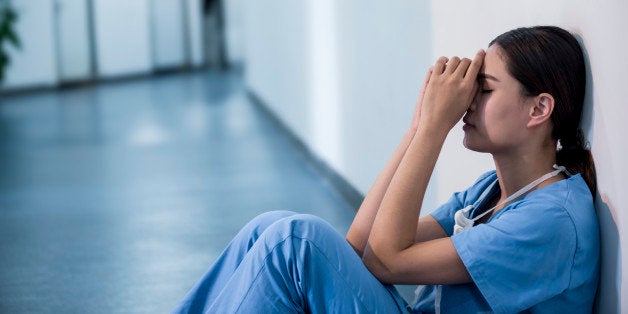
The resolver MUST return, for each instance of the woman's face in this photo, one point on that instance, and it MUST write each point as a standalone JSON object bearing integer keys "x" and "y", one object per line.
{"x": 496, "y": 120}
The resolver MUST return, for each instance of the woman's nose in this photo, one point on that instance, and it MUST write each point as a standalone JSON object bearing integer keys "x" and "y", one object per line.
{"x": 474, "y": 102}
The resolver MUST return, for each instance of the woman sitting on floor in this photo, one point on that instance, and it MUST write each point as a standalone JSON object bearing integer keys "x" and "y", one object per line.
{"x": 523, "y": 237}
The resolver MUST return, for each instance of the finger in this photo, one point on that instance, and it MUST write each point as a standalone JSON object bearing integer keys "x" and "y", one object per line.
{"x": 462, "y": 67}
{"x": 476, "y": 89}
{"x": 427, "y": 78}
{"x": 476, "y": 64}
{"x": 452, "y": 64}
{"x": 439, "y": 66}
{"x": 425, "y": 82}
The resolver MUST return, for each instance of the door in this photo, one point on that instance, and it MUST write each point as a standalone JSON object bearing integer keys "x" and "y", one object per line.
{"x": 74, "y": 58}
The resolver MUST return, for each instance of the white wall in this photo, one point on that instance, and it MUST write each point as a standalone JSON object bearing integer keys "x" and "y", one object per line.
{"x": 384, "y": 49}
{"x": 74, "y": 61}
{"x": 277, "y": 59}
{"x": 168, "y": 45}
{"x": 34, "y": 64}
{"x": 234, "y": 29}
{"x": 55, "y": 37}
{"x": 344, "y": 75}
{"x": 195, "y": 36}
{"x": 122, "y": 37}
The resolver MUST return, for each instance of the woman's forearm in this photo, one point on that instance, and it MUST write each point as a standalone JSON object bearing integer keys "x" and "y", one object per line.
{"x": 451, "y": 90}
{"x": 394, "y": 227}
{"x": 360, "y": 229}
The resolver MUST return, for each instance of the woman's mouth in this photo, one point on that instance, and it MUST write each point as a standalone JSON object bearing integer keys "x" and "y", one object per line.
{"x": 467, "y": 125}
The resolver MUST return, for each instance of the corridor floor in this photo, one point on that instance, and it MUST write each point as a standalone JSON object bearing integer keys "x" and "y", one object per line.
{"x": 116, "y": 197}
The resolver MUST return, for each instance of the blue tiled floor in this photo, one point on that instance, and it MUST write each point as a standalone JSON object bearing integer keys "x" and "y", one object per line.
{"x": 115, "y": 198}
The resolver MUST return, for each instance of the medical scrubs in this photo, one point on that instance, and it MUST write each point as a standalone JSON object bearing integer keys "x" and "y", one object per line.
{"x": 284, "y": 262}
{"x": 539, "y": 254}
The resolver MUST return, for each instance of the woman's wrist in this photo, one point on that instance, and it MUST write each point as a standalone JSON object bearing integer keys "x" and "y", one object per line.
{"x": 432, "y": 130}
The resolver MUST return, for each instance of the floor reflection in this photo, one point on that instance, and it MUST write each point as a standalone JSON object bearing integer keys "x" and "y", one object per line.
{"x": 117, "y": 197}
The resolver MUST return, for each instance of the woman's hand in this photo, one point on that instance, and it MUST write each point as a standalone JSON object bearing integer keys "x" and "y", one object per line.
{"x": 391, "y": 252}
{"x": 452, "y": 87}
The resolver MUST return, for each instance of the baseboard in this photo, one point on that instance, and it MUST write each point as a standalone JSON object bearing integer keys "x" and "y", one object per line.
{"x": 113, "y": 79}
{"x": 338, "y": 183}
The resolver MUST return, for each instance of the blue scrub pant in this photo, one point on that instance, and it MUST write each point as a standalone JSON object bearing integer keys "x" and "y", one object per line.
{"x": 284, "y": 262}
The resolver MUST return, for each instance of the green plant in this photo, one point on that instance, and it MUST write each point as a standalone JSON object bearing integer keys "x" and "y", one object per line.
{"x": 8, "y": 18}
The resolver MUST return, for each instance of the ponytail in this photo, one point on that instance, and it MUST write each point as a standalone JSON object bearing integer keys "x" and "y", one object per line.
{"x": 573, "y": 153}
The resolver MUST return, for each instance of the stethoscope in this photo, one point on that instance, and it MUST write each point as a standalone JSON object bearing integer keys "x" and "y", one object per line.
{"x": 463, "y": 222}
{"x": 461, "y": 218}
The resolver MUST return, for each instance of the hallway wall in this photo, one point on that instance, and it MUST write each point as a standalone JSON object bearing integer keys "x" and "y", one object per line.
{"x": 345, "y": 75}
{"x": 122, "y": 38}
{"x": 128, "y": 38}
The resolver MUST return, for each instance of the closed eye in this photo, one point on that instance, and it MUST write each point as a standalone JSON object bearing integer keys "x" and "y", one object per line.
{"x": 485, "y": 91}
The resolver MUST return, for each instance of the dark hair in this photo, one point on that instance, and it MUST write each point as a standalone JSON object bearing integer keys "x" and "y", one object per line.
{"x": 549, "y": 59}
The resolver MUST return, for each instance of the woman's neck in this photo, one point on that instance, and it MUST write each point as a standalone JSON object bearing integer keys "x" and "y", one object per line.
{"x": 518, "y": 168}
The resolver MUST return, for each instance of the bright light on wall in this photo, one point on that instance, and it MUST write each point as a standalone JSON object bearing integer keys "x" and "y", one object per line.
{"x": 323, "y": 62}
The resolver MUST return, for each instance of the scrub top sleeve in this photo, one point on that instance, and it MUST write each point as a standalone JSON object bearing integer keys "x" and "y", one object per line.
{"x": 444, "y": 214}
{"x": 522, "y": 257}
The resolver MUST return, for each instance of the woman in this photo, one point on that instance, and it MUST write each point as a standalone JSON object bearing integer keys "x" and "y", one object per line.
{"x": 524, "y": 237}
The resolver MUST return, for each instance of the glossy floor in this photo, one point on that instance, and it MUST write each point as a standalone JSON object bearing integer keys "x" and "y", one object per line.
{"x": 115, "y": 198}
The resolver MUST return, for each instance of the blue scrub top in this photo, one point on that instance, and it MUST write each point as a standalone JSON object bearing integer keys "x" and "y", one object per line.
{"x": 538, "y": 254}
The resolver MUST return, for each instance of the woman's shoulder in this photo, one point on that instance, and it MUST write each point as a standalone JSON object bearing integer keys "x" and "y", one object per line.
{"x": 570, "y": 194}
{"x": 568, "y": 201}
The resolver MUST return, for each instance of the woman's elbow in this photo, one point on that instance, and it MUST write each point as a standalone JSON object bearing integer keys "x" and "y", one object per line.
{"x": 384, "y": 272}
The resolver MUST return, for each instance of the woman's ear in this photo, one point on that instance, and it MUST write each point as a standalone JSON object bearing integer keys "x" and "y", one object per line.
{"x": 541, "y": 109}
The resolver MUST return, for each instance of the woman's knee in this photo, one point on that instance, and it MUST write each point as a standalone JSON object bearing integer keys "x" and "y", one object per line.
{"x": 262, "y": 221}
{"x": 270, "y": 217}
{"x": 303, "y": 226}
